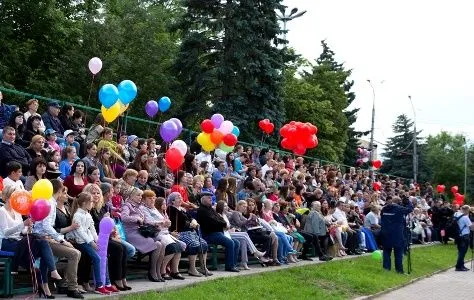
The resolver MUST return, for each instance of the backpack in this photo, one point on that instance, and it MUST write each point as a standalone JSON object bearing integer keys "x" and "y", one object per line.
{"x": 452, "y": 227}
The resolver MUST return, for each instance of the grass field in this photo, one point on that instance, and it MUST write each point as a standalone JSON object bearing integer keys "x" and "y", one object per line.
{"x": 344, "y": 279}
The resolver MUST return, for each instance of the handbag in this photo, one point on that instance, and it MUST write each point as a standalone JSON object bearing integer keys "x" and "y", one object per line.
{"x": 148, "y": 231}
{"x": 120, "y": 230}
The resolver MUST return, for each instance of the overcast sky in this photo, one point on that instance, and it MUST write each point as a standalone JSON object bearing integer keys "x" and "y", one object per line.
{"x": 417, "y": 47}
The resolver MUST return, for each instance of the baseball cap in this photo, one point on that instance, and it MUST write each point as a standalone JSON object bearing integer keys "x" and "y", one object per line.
{"x": 54, "y": 103}
{"x": 131, "y": 138}
{"x": 68, "y": 132}
{"x": 49, "y": 131}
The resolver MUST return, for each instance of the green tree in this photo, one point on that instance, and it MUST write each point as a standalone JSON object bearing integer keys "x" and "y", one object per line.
{"x": 321, "y": 96}
{"x": 445, "y": 156}
{"x": 229, "y": 62}
{"x": 399, "y": 152}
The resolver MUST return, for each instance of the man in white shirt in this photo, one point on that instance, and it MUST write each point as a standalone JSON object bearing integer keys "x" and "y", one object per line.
{"x": 267, "y": 167}
{"x": 462, "y": 242}
{"x": 340, "y": 215}
{"x": 14, "y": 174}
{"x": 371, "y": 220}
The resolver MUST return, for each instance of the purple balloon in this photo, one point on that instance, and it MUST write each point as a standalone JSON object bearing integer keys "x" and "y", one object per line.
{"x": 178, "y": 124}
{"x": 151, "y": 108}
{"x": 102, "y": 243}
{"x": 106, "y": 225}
{"x": 168, "y": 131}
{"x": 217, "y": 120}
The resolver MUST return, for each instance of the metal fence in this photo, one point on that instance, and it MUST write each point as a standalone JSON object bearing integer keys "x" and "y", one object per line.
{"x": 141, "y": 123}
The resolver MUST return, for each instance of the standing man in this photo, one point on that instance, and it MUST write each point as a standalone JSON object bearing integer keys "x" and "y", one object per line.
{"x": 462, "y": 241}
{"x": 392, "y": 232}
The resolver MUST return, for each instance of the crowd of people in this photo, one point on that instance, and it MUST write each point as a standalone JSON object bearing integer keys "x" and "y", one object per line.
{"x": 277, "y": 208}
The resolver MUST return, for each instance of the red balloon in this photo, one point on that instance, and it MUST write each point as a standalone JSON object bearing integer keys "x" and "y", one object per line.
{"x": 261, "y": 124}
{"x": 284, "y": 130}
{"x": 287, "y": 144}
{"x": 299, "y": 149}
{"x": 40, "y": 209}
{"x": 207, "y": 126}
{"x": 376, "y": 185}
{"x": 454, "y": 189}
{"x": 217, "y": 137}
{"x": 174, "y": 159}
{"x": 230, "y": 139}
{"x": 440, "y": 188}
{"x": 269, "y": 127}
{"x": 377, "y": 164}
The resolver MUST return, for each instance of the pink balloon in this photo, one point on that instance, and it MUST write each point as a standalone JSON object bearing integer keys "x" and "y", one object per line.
{"x": 40, "y": 210}
{"x": 226, "y": 127}
{"x": 95, "y": 65}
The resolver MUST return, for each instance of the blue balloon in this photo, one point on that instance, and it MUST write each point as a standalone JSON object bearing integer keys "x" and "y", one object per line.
{"x": 127, "y": 91}
{"x": 164, "y": 104}
{"x": 236, "y": 131}
{"x": 108, "y": 95}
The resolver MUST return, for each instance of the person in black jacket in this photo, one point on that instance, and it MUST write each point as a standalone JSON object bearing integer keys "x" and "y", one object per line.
{"x": 212, "y": 227}
{"x": 9, "y": 151}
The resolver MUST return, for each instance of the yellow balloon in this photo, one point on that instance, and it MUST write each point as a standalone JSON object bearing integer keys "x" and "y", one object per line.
{"x": 209, "y": 147}
{"x": 123, "y": 107}
{"x": 42, "y": 189}
{"x": 204, "y": 139}
{"x": 111, "y": 113}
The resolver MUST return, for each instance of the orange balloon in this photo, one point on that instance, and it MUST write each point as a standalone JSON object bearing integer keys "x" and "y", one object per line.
{"x": 217, "y": 137}
{"x": 21, "y": 202}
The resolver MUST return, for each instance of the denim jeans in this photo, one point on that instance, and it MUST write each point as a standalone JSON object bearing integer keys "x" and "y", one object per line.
{"x": 43, "y": 251}
{"x": 284, "y": 245}
{"x": 231, "y": 247}
{"x": 87, "y": 248}
{"x": 130, "y": 248}
{"x": 387, "y": 258}
{"x": 462, "y": 244}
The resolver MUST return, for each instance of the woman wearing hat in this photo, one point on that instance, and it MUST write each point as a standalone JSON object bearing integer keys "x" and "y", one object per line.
{"x": 185, "y": 228}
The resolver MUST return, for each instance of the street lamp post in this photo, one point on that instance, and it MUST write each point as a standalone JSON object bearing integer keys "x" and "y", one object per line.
{"x": 288, "y": 17}
{"x": 415, "y": 154}
{"x": 371, "y": 143}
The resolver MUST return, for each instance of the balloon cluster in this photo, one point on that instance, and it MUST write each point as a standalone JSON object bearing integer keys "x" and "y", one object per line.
{"x": 171, "y": 129}
{"x": 298, "y": 137}
{"x": 34, "y": 204}
{"x": 218, "y": 133}
{"x": 377, "y": 185}
{"x": 377, "y": 164}
{"x": 266, "y": 126}
{"x": 152, "y": 107}
{"x": 458, "y": 197}
{"x": 364, "y": 155}
{"x": 115, "y": 100}
{"x": 174, "y": 156}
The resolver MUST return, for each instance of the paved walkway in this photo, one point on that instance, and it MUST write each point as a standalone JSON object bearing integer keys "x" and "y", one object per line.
{"x": 446, "y": 285}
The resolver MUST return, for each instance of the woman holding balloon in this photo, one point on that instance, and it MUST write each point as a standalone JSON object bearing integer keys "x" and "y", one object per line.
{"x": 12, "y": 226}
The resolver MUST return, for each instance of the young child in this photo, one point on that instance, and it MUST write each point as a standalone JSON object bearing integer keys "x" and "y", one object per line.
{"x": 69, "y": 137}
{"x": 50, "y": 135}
{"x": 86, "y": 239}
{"x": 116, "y": 200}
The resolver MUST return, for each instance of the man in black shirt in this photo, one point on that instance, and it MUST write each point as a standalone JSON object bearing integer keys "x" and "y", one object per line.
{"x": 212, "y": 228}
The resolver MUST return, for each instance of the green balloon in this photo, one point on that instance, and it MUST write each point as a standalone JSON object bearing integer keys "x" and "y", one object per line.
{"x": 226, "y": 148}
{"x": 377, "y": 255}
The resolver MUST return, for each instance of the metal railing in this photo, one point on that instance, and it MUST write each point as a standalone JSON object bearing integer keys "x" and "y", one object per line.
{"x": 187, "y": 132}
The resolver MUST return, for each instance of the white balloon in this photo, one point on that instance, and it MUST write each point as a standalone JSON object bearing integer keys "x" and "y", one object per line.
{"x": 365, "y": 159}
{"x": 220, "y": 153}
{"x": 181, "y": 146}
{"x": 226, "y": 127}
{"x": 95, "y": 65}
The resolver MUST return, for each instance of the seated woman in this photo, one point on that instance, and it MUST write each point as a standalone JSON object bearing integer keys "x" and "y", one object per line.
{"x": 209, "y": 188}
{"x": 116, "y": 252}
{"x": 126, "y": 184}
{"x": 184, "y": 227}
{"x": 93, "y": 175}
{"x": 132, "y": 218}
{"x": 106, "y": 172}
{"x": 256, "y": 233}
{"x": 246, "y": 244}
{"x": 53, "y": 158}
{"x": 68, "y": 158}
{"x": 36, "y": 147}
{"x": 37, "y": 170}
{"x": 171, "y": 248}
{"x": 180, "y": 185}
{"x": 12, "y": 226}
{"x": 76, "y": 181}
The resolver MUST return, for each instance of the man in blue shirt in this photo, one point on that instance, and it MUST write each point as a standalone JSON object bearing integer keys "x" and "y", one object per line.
{"x": 218, "y": 173}
{"x": 462, "y": 242}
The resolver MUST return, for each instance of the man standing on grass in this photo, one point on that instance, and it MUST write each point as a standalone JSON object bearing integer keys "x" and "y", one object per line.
{"x": 392, "y": 232}
{"x": 462, "y": 241}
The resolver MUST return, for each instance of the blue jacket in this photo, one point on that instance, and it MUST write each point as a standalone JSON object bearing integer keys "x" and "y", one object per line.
{"x": 393, "y": 225}
{"x": 13, "y": 152}
{"x": 51, "y": 122}
{"x": 6, "y": 112}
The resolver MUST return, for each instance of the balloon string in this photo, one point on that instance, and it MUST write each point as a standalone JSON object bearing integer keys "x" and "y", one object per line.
{"x": 148, "y": 130}
{"x": 89, "y": 98}
{"x": 34, "y": 279}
